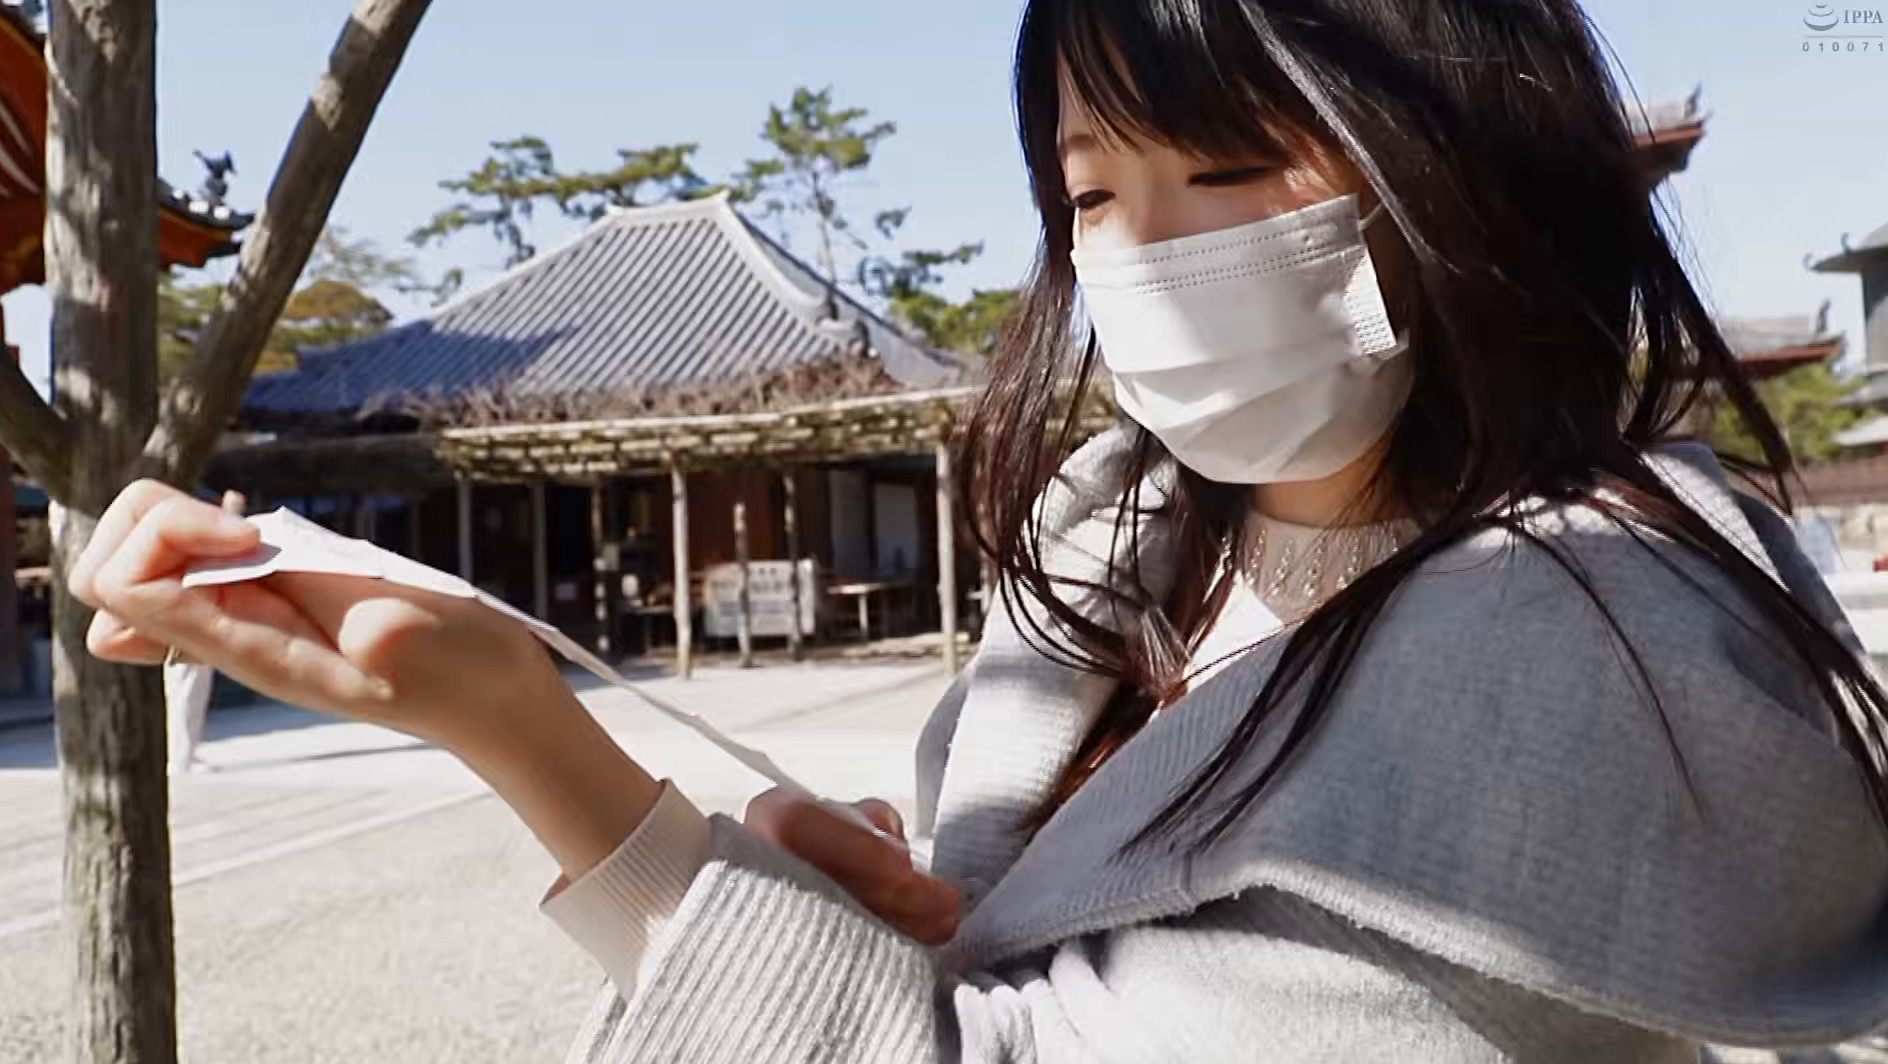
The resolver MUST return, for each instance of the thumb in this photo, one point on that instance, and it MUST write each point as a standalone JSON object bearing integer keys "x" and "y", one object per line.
{"x": 882, "y": 814}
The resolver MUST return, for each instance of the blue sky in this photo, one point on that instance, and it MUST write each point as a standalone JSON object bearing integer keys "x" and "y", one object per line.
{"x": 1796, "y": 155}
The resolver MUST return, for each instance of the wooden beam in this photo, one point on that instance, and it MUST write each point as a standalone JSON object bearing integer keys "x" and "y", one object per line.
{"x": 466, "y": 569}
{"x": 684, "y": 604}
{"x": 790, "y": 504}
{"x": 946, "y": 559}
{"x": 744, "y": 624}
{"x": 540, "y": 554}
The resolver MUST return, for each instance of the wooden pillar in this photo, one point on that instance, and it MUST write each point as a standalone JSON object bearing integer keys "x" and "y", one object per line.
{"x": 790, "y": 504}
{"x": 415, "y": 541}
{"x": 366, "y": 518}
{"x": 946, "y": 559}
{"x": 465, "y": 529}
{"x": 684, "y": 605}
{"x": 744, "y": 624}
{"x": 540, "y": 554}
{"x": 608, "y": 581}
{"x": 992, "y": 594}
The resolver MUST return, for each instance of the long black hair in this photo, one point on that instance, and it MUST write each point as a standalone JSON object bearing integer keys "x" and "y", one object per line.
{"x": 1555, "y": 334}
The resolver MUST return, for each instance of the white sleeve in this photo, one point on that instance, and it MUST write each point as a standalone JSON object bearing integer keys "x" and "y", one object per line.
{"x": 614, "y": 910}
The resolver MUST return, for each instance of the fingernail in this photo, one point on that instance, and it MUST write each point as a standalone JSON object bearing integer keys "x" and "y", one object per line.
{"x": 893, "y": 839}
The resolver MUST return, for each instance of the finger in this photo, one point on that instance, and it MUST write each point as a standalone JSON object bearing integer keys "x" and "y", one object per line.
{"x": 840, "y": 846}
{"x": 111, "y": 639}
{"x": 124, "y": 513}
{"x": 877, "y": 875}
{"x": 173, "y": 533}
{"x": 264, "y": 642}
{"x": 766, "y": 812}
{"x": 234, "y": 502}
{"x": 884, "y": 815}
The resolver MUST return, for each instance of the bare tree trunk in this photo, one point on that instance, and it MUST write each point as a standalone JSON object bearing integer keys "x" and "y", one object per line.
{"x": 200, "y": 401}
{"x": 12, "y": 645}
{"x": 101, "y": 271}
{"x": 101, "y": 261}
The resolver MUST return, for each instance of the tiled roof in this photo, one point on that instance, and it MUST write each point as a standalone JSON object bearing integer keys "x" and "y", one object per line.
{"x": 22, "y": 166}
{"x": 647, "y": 298}
{"x": 1871, "y": 248}
{"x": 1795, "y": 335}
{"x": 216, "y": 216}
{"x": 1666, "y": 116}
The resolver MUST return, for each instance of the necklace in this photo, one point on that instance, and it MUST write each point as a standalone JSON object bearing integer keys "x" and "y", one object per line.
{"x": 1297, "y": 568}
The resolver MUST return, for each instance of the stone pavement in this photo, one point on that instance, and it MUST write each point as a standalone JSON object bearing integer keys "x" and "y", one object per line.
{"x": 346, "y": 894}
{"x": 350, "y": 897}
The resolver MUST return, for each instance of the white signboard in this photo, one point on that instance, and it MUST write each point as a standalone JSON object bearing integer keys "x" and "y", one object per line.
{"x": 769, "y": 595}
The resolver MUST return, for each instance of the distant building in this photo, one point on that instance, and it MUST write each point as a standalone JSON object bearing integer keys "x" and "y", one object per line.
{"x": 1770, "y": 347}
{"x": 1667, "y": 134}
{"x": 568, "y": 433}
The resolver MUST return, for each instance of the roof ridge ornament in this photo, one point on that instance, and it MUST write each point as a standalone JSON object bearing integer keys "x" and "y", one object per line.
{"x": 216, "y": 181}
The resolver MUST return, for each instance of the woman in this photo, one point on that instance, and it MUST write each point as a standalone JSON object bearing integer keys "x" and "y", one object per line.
{"x": 1386, "y": 688}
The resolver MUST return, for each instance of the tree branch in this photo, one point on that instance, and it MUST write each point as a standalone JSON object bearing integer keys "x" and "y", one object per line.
{"x": 205, "y": 395}
{"x": 34, "y": 432}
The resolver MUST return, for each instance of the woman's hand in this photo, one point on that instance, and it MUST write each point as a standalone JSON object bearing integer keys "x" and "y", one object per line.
{"x": 876, "y": 871}
{"x": 448, "y": 670}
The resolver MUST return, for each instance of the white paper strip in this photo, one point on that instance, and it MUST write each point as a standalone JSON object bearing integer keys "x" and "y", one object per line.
{"x": 293, "y": 544}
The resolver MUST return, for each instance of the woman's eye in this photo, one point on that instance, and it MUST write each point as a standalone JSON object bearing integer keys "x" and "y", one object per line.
{"x": 1088, "y": 201}
{"x": 1239, "y": 176}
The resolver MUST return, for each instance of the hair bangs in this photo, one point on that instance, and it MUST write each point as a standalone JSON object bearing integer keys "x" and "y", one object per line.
{"x": 1177, "y": 73}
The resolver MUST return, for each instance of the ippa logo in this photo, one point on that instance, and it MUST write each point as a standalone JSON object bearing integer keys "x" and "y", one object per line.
{"x": 1845, "y": 30}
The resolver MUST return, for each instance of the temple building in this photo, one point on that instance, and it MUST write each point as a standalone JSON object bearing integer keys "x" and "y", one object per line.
{"x": 192, "y": 230}
{"x": 669, "y": 392}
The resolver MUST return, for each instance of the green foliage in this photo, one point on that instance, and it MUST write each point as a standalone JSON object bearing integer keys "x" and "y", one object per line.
{"x": 322, "y": 314}
{"x": 1806, "y": 403}
{"x": 815, "y": 147}
{"x": 908, "y": 288}
{"x": 332, "y": 306}
{"x": 182, "y": 311}
{"x": 972, "y": 327}
{"x": 505, "y": 191}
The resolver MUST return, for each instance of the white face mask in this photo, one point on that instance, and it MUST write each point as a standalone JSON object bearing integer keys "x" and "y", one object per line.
{"x": 1257, "y": 354}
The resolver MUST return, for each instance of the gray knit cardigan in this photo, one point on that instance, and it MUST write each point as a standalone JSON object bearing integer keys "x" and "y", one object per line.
{"x": 1492, "y": 850}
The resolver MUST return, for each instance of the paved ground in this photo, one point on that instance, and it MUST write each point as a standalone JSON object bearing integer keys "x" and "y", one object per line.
{"x": 348, "y": 895}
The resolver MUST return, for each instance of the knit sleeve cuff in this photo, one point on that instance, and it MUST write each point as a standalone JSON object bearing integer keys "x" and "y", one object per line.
{"x": 614, "y": 910}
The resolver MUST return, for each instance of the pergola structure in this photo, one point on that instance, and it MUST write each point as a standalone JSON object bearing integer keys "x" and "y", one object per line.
{"x": 913, "y": 423}
{"x": 585, "y": 451}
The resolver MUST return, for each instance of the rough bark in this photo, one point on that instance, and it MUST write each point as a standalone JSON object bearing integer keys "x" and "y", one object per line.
{"x": 101, "y": 271}
{"x": 33, "y": 432}
{"x": 199, "y": 403}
